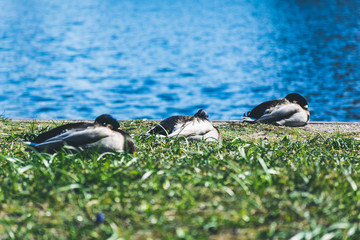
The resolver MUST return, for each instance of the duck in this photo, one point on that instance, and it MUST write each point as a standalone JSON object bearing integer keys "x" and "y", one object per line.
{"x": 292, "y": 111}
{"x": 103, "y": 135}
{"x": 197, "y": 127}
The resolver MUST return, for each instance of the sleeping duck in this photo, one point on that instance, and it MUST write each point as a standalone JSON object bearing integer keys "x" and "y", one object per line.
{"x": 289, "y": 111}
{"x": 103, "y": 135}
{"x": 195, "y": 127}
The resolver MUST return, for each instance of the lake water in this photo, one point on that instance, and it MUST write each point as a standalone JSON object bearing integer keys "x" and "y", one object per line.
{"x": 152, "y": 59}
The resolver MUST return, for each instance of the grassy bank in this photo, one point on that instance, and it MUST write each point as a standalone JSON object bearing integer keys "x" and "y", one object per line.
{"x": 263, "y": 182}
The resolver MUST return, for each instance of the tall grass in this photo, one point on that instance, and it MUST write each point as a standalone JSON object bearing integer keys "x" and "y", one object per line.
{"x": 262, "y": 182}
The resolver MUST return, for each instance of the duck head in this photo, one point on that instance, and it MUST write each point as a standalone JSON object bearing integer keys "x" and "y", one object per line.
{"x": 294, "y": 97}
{"x": 202, "y": 113}
{"x": 107, "y": 120}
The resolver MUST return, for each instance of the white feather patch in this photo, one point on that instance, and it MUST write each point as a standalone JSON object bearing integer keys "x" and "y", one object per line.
{"x": 196, "y": 129}
{"x": 286, "y": 114}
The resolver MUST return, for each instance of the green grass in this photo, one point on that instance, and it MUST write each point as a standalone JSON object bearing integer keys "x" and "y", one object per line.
{"x": 263, "y": 182}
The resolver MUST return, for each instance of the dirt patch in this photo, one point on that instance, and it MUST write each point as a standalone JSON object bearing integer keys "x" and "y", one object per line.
{"x": 343, "y": 127}
{"x": 334, "y": 127}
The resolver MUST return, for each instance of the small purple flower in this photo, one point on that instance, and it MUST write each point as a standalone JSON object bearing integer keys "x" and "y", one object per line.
{"x": 100, "y": 217}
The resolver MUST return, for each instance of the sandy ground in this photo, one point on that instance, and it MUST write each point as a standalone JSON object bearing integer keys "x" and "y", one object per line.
{"x": 333, "y": 126}
{"x": 317, "y": 126}
{"x": 321, "y": 126}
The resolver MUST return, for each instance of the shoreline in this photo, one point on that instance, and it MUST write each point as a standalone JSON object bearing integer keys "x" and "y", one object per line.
{"x": 325, "y": 126}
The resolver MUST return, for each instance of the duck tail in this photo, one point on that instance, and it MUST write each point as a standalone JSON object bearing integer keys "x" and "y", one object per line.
{"x": 31, "y": 144}
{"x": 129, "y": 145}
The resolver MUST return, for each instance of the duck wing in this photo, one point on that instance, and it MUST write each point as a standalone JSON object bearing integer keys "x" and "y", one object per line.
{"x": 167, "y": 126}
{"x": 59, "y": 130}
{"x": 75, "y": 137}
{"x": 258, "y": 111}
{"x": 278, "y": 113}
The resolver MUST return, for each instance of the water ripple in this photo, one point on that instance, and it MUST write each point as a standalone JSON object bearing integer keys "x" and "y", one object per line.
{"x": 79, "y": 59}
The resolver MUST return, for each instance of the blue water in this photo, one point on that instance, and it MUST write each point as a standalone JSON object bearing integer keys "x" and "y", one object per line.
{"x": 152, "y": 59}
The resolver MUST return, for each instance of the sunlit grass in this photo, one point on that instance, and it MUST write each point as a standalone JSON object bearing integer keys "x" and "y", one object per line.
{"x": 262, "y": 182}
